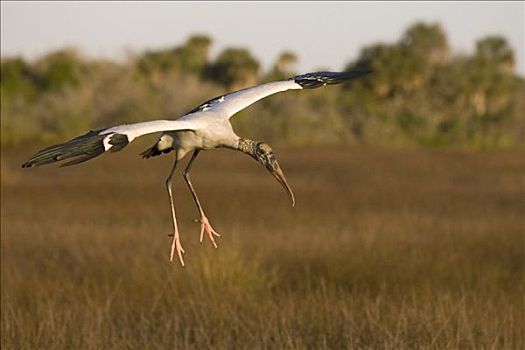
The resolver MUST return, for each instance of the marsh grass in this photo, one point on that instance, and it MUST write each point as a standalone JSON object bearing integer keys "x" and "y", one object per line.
{"x": 386, "y": 249}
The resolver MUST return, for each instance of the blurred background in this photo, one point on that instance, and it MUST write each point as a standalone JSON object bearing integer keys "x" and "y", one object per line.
{"x": 443, "y": 74}
{"x": 409, "y": 229}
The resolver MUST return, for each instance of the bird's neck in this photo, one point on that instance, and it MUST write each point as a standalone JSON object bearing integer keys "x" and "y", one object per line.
{"x": 247, "y": 146}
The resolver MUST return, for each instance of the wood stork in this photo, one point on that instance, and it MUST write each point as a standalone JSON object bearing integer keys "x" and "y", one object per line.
{"x": 203, "y": 128}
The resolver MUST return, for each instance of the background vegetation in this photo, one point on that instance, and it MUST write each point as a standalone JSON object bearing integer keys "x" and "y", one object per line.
{"x": 419, "y": 94}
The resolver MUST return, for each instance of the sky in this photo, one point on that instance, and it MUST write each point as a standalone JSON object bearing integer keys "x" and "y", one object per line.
{"x": 325, "y": 35}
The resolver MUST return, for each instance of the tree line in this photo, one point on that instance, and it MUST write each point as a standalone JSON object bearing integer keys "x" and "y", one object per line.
{"x": 420, "y": 93}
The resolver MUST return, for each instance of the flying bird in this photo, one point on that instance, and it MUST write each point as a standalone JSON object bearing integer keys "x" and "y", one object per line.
{"x": 203, "y": 128}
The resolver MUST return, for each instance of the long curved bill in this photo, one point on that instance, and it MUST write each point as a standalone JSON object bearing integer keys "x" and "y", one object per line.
{"x": 276, "y": 171}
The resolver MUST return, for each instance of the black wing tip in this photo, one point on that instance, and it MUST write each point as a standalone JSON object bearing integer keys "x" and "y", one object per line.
{"x": 81, "y": 149}
{"x": 31, "y": 164}
{"x": 317, "y": 79}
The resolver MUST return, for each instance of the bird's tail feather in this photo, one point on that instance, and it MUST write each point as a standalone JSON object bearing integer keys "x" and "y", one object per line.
{"x": 81, "y": 148}
{"x": 154, "y": 151}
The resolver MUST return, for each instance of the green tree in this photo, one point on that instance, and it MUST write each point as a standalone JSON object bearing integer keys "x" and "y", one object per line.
{"x": 17, "y": 78}
{"x": 154, "y": 64}
{"x": 193, "y": 55}
{"x": 427, "y": 41}
{"x": 282, "y": 68}
{"x": 418, "y": 93}
{"x": 61, "y": 69}
{"x": 285, "y": 62}
{"x": 234, "y": 68}
{"x": 489, "y": 91}
{"x": 189, "y": 58}
{"x": 495, "y": 50}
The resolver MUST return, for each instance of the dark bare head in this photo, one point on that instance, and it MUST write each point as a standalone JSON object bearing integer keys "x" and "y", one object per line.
{"x": 263, "y": 153}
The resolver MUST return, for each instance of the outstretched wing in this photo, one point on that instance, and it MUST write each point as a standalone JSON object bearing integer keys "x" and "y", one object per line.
{"x": 96, "y": 142}
{"x": 228, "y": 105}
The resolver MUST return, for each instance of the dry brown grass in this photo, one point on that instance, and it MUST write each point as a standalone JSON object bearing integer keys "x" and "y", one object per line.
{"x": 386, "y": 249}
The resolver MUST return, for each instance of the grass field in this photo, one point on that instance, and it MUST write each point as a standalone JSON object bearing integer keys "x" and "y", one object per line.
{"x": 386, "y": 249}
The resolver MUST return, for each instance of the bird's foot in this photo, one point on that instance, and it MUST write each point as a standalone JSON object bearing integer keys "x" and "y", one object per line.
{"x": 205, "y": 226}
{"x": 175, "y": 245}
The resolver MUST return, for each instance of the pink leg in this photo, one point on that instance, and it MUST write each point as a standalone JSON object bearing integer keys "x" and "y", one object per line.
{"x": 205, "y": 224}
{"x": 175, "y": 243}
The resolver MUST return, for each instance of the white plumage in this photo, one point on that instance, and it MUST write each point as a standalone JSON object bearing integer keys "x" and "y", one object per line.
{"x": 205, "y": 127}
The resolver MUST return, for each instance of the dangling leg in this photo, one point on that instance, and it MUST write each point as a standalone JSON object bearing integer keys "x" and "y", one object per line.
{"x": 175, "y": 244}
{"x": 205, "y": 224}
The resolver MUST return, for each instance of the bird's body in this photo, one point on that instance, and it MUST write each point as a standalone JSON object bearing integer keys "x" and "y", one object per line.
{"x": 203, "y": 128}
{"x": 213, "y": 133}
